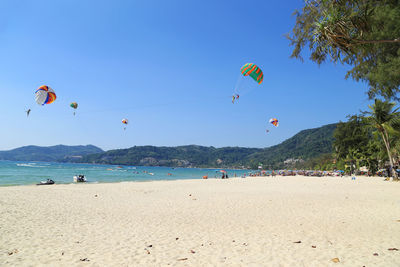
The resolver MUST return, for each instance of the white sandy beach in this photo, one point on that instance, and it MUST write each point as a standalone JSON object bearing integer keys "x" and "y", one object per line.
{"x": 233, "y": 222}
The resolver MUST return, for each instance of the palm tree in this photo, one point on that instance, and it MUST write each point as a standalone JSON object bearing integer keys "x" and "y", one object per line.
{"x": 383, "y": 117}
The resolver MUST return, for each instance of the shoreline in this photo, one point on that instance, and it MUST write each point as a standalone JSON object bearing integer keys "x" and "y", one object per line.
{"x": 200, "y": 178}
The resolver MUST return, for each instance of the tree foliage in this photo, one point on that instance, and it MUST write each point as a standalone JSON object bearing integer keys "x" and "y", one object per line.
{"x": 364, "y": 34}
{"x": 356, "y": 144}
{"x": 371, "y": 139}
{"x": 383, "y": 117}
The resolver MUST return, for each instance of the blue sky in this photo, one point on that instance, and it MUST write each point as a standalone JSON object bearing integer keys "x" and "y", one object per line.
{"x": 170, "y": 67}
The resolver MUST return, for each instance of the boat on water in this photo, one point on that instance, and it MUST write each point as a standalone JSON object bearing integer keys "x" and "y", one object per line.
{"x": 80, "y": 178}
{"x": 47, "y": 182}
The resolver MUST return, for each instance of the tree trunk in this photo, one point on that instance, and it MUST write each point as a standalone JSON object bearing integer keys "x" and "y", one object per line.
{"x": 387, "y": 145}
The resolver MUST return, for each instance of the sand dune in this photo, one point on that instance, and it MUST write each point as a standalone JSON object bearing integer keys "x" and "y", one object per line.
{"x": 282, "y": 221}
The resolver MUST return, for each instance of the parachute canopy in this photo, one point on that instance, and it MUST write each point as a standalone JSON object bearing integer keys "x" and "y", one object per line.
{"x": 274, "y": 122}
{"x": 45, "y": 95}
{"x": 74, "y": 105}
{"x": 125, "y": 121}
{"x": 252, "y": 70}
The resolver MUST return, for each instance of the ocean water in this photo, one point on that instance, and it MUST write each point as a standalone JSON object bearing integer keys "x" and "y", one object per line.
{"x": 28, "y": 173}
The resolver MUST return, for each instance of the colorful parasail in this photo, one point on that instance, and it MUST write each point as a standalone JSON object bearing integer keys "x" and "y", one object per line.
{"x": 74, "y": 105}
{"x": 244, "y": 84}
{"x": 125, "y": 121}
{"x": 45, "y": 95}
{"x": 274, "y": 122}
{"x": 252, "y": 70}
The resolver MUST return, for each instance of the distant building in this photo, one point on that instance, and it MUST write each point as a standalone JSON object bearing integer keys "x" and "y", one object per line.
{"x": 292, "y": 160}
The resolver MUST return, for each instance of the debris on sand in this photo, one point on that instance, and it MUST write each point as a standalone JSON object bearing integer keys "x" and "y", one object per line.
{"x": 182, "y": 259}
{"x": 297, "y": 242}
{"x": 84, "y": 259}
{"x": 14, "y": 251}
{"x": 335, "y": 260}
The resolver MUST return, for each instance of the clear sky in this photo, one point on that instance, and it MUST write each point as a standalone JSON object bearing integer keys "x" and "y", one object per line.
{"x": 170, "y": 67}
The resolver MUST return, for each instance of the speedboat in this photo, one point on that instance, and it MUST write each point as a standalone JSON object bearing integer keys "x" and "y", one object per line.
{"x": 48, "y": 182}
{"x": 80, "y": 178}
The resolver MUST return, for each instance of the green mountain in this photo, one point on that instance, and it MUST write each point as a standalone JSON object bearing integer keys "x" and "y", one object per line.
{"x": 297, "y": 151}
{"x": 181, "y": 156}
{"x": 305, "y": 145}
{"x": 52, "y": 153}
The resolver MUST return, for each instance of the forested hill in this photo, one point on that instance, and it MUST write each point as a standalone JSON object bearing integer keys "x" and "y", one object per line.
{"x": 305, "y": 145}
{"x": 51, "y": 153}
{"x": 181, "y": 156}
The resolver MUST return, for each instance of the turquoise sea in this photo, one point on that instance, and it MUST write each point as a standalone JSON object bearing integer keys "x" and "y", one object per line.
{"x": 28, "y": 173}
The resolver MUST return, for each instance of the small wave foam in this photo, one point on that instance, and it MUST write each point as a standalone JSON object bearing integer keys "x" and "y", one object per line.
{"x": 32, "y": 165}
